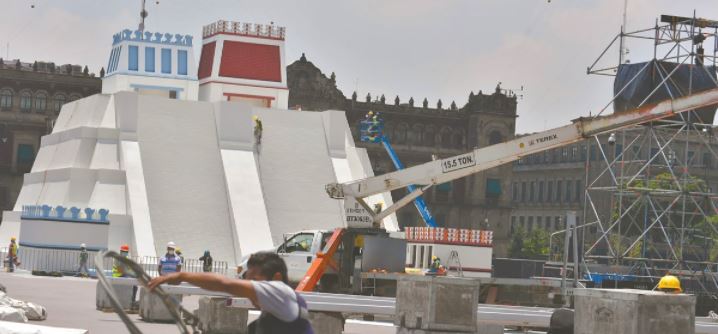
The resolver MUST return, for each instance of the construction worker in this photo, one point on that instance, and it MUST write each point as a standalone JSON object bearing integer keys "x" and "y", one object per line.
{"x": 257, "y": 129}
{"x": 206, "y": 261}
{"x": 178, "y": 251}
{"x": 670, "y": 284}
{"x": 266, "y": 286}
{"x": 84, "y": 256}
{"x": 435, "y": 264}
{"x": 12, "y": 260}
{"x": 170, "y": 263}
{"x": 119, "y": 269}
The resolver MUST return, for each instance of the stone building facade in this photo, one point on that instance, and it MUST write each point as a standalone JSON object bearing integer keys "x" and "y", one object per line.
{"x": 419, "y": 132}
{"x": 31, "y": 95}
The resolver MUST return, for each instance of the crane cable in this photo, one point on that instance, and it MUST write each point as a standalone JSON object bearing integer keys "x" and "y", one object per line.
{"x": 187, "y": 325}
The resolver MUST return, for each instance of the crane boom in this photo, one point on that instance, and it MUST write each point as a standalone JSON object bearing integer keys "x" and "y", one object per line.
{"x": 445, "y": 170}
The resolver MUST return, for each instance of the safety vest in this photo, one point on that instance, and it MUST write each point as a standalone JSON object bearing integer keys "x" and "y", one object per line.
{"x": 13, "y": 250}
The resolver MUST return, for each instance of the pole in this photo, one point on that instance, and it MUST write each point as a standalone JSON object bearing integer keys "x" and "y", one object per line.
{"x": 565, "y": 265}
{"x": 574, "y": 236}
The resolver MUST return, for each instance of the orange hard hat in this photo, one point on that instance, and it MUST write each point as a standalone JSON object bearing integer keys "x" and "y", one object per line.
{"x": 125, "y": 248}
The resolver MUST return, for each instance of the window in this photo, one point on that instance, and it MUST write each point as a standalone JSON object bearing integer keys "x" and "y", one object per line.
{"x": 6, "y": 99}
{"x": 636, "y": 152}
{"x": 583, "y": 152}
{"x": 442, "y": 191}
{"x": 149, "y": 59}
{"x": 59, "y": 100}
{"x": 559, "y": 189}
{"x": 531, "y": 223}
{"x": 173, "y": 94}
{"x": 495, "y": 137}
{"x": 166, "y": 61}
{"x": 182, "y": 62}
{"x": 400, "y": 134}
{"x": 557, "y": 223}
{"x": 429, "y": 136}
{"x": 40, "y": 102}
{"x": 301, "y": 242}
{"x": 564, "y": 154}
{"x": 539, "y": 222}
{"x": 25, "y": 101}
{"x": 574, "y": 153}
{"x": 540, "y": 191}
{"x": 548, "y": 223}
{"x": 690, "y": 161}
{"x": 25, "y": 157}
{"x": 522, "y": 222}
{"x": 513, "y": 224}
{"x": 567, "y": 195}
{"x": 493, "y": 191}
{"x": 515, "y": 192}
{"x": 458, "y": 140}
{"x": 592, "y": 152}
{"x": 707, "y": 160}
{"x": 549, "y": 193}
{"x": 523, "y": 191}
{"x": 619, "y": 149}
{"x": 133, "y": 54}
{"x": 578, "y": 192}
{"x": 446, "y": 138}
{"x": 532, "y": 190}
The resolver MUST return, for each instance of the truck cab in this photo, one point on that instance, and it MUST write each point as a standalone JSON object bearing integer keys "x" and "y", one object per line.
{"x": 299, "y": 250}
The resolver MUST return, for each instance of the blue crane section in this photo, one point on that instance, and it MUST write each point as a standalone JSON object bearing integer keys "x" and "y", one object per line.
{"x": 372, "y": 131}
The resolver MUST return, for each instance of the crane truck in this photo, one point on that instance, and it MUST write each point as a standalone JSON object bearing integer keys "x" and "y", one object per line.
{"x": 339, "y": 251}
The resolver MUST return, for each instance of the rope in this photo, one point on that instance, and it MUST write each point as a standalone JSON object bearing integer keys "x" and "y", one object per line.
{"x": 175, "y": 309}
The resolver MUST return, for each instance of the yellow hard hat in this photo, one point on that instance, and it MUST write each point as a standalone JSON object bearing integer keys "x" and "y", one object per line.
{"x": 255, "y": 117}
{"x": 434, "y": 258}
{"x": 370, "y": 113}
{"x": 671, "y": 283}
{"x": 13, "y": 238}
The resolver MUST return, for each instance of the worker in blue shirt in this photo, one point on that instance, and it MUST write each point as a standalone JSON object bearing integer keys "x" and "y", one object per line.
{"x": 171, "y": 262}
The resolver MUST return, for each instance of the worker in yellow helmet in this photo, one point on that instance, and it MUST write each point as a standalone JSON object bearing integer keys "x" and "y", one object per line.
{"x": 257, "y": 130}
{"x": 12, "y": 255}
{"x": 670, "y": 284}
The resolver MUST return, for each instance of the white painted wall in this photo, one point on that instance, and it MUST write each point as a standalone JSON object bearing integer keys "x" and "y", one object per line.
{"x": 190, "y": 172}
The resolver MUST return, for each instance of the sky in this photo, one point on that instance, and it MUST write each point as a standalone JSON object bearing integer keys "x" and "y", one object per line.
{"x": 434, "y": 49}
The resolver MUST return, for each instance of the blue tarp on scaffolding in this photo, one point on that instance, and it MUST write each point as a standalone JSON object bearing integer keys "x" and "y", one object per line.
{"x": 685, "y": 78}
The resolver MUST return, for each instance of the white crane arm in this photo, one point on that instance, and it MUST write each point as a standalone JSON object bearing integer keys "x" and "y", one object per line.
{"x": 444, "y": 170}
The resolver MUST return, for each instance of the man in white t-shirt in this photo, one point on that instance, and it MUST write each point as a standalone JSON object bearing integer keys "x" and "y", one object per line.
{"x": 265, "y": 285}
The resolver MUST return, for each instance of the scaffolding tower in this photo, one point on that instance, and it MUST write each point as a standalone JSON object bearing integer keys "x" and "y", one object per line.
{"x": 651, "y": 193}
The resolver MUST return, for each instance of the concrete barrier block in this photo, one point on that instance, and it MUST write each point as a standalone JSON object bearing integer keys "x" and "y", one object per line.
{"x": 402, "y": 330}
{"x": 437, "y": 303}
{"x": 152, "y": 308}
{"x": 608, "y": 311}
{"x": 123, "y": 293}
{"x": 327, "y": 322}
{"x": 490, "y": 329}
{"x": 216, "y": 318}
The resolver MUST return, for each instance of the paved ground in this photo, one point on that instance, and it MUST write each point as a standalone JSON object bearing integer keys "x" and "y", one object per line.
{"x": 70, "y": 302}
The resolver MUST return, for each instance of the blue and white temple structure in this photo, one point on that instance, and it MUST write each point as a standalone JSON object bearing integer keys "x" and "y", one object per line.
{"x": 145, "y": 162}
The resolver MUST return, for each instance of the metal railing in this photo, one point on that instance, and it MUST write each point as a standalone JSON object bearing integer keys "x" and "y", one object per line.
{"x": 68, "y": 262}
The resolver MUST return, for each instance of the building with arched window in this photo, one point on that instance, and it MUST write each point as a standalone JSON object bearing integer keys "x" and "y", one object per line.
{"x": 31, "y": 96}
{"x": 418, "y": 132}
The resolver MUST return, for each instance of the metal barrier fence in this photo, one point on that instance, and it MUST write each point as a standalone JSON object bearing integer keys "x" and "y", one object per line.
{"x": 68, "y": 261}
